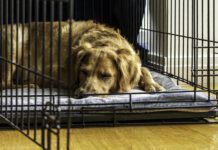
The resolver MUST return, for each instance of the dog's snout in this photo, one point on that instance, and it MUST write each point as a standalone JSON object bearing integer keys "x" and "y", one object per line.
{"x": 83, "y": 92}
{"x": 84, "y": 95}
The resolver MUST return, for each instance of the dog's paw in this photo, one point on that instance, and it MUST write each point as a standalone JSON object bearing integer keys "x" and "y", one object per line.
{"x": 159, "y": 88}
{"x": 149, "y": 88}
{"x": 155, "y": 87}
{"x": 2, "y": 86}
{"x": 32, "y": 86}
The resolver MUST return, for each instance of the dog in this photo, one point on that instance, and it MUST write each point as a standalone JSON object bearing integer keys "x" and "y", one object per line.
{"x": 87, "y": 57}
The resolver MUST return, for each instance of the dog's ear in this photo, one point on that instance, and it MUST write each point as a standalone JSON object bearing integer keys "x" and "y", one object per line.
{"x": 74, "y": 61}
{"x": 128, "y": 64}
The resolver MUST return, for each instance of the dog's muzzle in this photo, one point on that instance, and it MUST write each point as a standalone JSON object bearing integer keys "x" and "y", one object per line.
{"x": 83, "y": 93}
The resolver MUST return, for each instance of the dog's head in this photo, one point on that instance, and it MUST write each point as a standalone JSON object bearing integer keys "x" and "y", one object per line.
{"x": 104, "y": 70}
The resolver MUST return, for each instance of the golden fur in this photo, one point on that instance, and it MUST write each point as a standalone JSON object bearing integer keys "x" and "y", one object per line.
{"x": 102, "y": 61}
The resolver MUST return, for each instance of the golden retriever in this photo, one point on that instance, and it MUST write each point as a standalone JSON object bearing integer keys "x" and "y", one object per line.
{"x": 101, "y": 62}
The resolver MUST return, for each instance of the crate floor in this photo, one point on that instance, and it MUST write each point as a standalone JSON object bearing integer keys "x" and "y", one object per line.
{"x": 174, "y": 99}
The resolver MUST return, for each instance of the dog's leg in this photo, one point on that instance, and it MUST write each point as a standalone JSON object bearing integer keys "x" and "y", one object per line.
{"x": 7, "y": 78}
{"x": 147, "y": 83}
{"x": 8, "y": 71}
{"x": 26, "y": 86}
{"x": 61, "y": 82}
{"x": 9, "y": 54}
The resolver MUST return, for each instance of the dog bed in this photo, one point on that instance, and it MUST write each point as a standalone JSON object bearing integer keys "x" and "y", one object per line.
{"x": 174, "y": 99}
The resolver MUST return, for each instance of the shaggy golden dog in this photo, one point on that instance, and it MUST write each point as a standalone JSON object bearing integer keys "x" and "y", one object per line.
{"x": 102, "y": 61}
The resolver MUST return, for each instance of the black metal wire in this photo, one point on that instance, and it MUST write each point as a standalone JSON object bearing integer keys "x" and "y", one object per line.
{"x": 71, "y": 14}
{"x": 1, "y": 49}
{"x": 202, "y": 43}
{"x": 6, "y": 49}
{"x": 28, "y": 57}
{"x": 43, "y": 72}
{"x": 36, "y": 62}
{"x": 59, "y": 63}
{"x": 194, "y": 54}
{"x": 171, "y": 30}
{"x": 214, "y": 31}
{"x": 17, "y": 30}
{"x": 179, "y": 41}
{"x": 208, "y": 50}
{"x": 11, "y": 50}
{"x": 188, "y": 30}
{"x": 175, "y": 39}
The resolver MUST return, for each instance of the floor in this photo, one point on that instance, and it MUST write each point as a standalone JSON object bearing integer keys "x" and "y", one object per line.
{"x": 162, "y": 137}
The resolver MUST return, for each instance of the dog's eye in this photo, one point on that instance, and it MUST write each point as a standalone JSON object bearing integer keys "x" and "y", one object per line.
{"x": 84, "y": 72}
{"x": 105, "y": 76}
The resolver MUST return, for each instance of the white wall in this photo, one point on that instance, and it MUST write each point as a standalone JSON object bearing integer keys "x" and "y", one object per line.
{"x": 177, "y": 18}
{"x": 154, "y": 20}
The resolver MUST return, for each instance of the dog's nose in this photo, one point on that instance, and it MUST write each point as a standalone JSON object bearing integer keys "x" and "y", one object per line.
{"x": 82, "y": 93}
